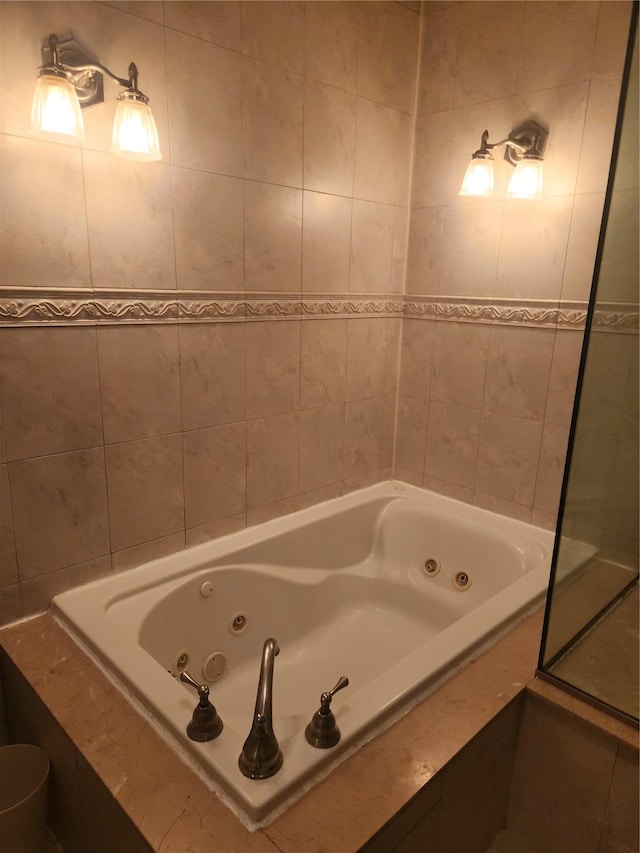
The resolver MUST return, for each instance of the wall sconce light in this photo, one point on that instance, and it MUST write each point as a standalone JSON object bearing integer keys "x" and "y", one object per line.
{"x": 524, "y": 149}
{"x": 70, "y": 81}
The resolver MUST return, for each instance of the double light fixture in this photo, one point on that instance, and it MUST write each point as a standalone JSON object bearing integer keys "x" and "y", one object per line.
{"x": 524, "y": 149}
{"x": 69, "y": 81}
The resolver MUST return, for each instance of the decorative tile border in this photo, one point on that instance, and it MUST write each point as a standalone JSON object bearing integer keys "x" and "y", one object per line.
{"x": 75, "y": 307}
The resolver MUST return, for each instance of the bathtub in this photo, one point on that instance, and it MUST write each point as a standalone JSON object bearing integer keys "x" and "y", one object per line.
{"x": 393, "y": 586}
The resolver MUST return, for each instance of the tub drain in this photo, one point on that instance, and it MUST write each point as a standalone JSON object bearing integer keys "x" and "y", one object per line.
{"x": 462, "y": 581}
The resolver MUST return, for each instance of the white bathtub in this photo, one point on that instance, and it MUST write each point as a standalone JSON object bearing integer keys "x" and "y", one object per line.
{"x": 343, "y": 589}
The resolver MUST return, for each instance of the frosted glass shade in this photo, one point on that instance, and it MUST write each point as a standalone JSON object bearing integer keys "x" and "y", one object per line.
{"x": 526, "y": 181}
{"x": 478, "y": 179}
{"x": 134, "y": 130}
{"x": 55, "y": 109}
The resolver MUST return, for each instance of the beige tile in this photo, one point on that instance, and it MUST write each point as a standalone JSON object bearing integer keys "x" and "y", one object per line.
{"x": 212, "y": 374}
{"x": 595, "y": 154}
{"x": 437, "y": 73}
{"x": 622, "y": 509}
{"x": 326, "y": 242}
{"x": 533, "y": 248}
{"x": 416, "y": 357}
{"x": 44, "y": 242}
{"x": 219, "y": 23}
{"x": 37, "y": 592}
{"x": 563, "y": 771}
{"x": 329, "y": 138}
{"x": 272, "y": 237}
{"x": 508, "y": 457}
{"x": 362, "y": 436}
{"x": 503, "y": 507}
{"x": 50, "y": 391}
{"x": 604, "y": 387}
{"x": 206, "y": 126}
{"x": 321, "y": 434}
{"x": 452, "y": 444}
{"x": 581, "y": 249}
{"x": 411, "y": 434}
{"x": 470, "y": 248}
{"x": 371, "y": 247}
{"x": 8, "y": 564}
{"x": 387, "y": 55}
{"x": 272, "y": 459}
{"x": 139, "y": 381}
{"x": 431, "y": 155}
{"x": 366, "y": 358}
{"x": 208, "y": 218}
{"x": 274, "y": 32}
{"x": 389, "y": 432}
{"x": 272, "y": 124}
{"x": 518, "y": 370}
{"x": 557, "y": 44}
{"x": 316, "y": 496}
{"x": 129, "y": 558}
{"x": 10, "y": 604}
{"x": 399, "y": 249}
{"x": 215, "y": 473}
{"x": 377, "y": 149}
{"x": 553, "y": 451}
{"x": 611, "y": 37}
{"x": 146, "y": 495}
{"x": 361, "y": 481}
{"x": 267, "y": 512}
{"x": 563, "y": 376}
{"x": 487, "y": 30}
{"x": 617, "y": 280}
{"x": 323, "y": 359}
{"x": 273, "y": 368}
{"x": 459, "y": 363}
{"x": 441, "y": 487}
{"x": 394, "y": 340}
{"x": 620, "y": 824}
{"x": 404, "y": 157}
{"x": 331, "y": 43}
{"x": 562, "y": 111}
{"x": 425, "y": 250}
{"x": 120, "y": 195}
{"x": 214, "y": 529}
{"x": 64, "y": 498}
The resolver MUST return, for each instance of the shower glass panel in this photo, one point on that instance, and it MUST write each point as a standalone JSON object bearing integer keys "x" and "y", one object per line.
{"x": 590, "y": 636}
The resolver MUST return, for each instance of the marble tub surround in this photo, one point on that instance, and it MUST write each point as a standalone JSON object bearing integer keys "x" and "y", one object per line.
{"x": 172, "y": 809}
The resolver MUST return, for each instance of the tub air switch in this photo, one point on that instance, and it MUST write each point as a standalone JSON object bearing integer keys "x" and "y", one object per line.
{"x": 206, "y": 589}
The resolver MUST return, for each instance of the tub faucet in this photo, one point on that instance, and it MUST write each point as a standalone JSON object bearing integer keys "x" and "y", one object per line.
{"x": 261, "y": 756}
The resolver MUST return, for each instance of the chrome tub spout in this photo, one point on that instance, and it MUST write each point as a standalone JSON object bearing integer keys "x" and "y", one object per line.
{"x": 261, "y": 756}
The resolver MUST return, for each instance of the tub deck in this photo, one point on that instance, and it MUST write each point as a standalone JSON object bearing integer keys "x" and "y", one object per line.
{"x": 175, "y": 811}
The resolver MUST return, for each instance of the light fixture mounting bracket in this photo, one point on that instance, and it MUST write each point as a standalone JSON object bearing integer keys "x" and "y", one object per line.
{"x": 88, "y": 82}
{"x": 529, "y": 138}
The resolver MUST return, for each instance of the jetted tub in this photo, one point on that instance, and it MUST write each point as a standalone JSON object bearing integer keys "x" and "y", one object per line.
{"x": 392, "y": 586}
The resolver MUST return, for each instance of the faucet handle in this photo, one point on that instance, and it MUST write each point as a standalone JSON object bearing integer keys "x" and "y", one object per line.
{"x": 205, "y": 723}
{"x": 325, "y": 699}
{"x": 322, "y": 732}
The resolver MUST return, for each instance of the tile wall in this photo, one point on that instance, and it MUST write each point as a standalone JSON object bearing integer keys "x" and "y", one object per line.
{"x": 490, "y": 352}
{"x": 209, "y": 341}
{"x": 159, "y": 384}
